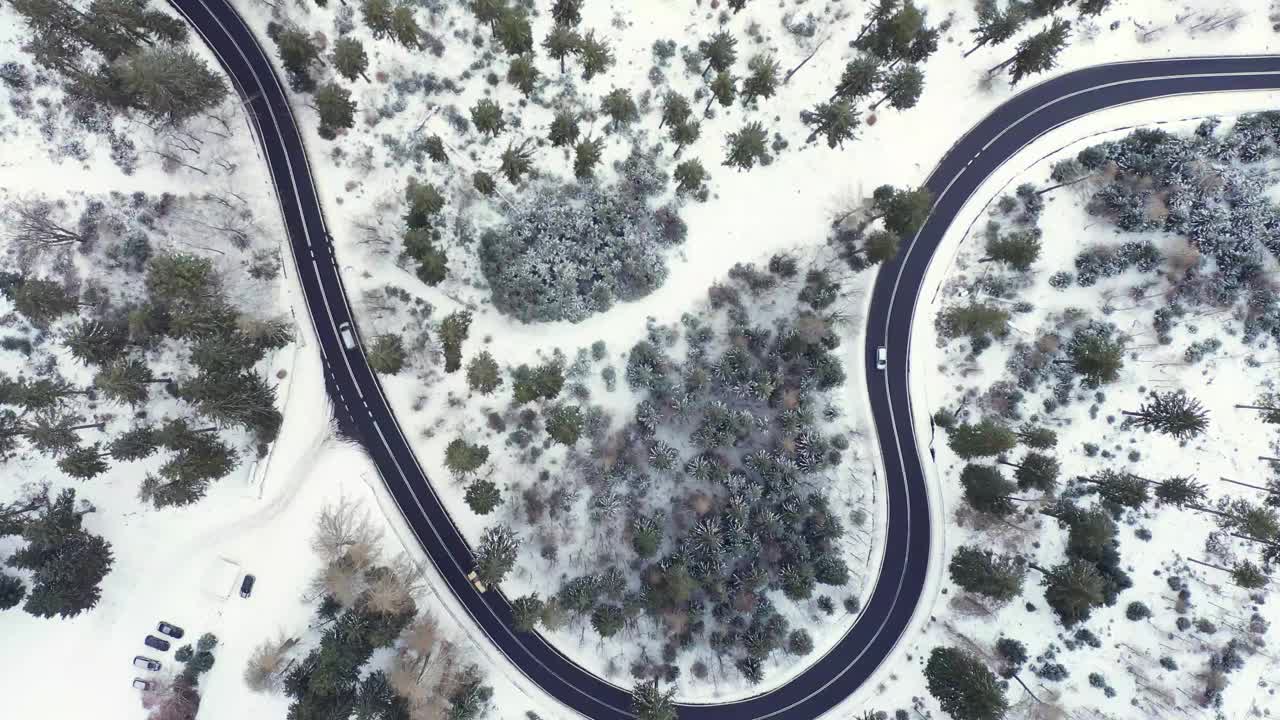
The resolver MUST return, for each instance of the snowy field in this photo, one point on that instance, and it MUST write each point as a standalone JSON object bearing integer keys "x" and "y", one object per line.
{"x": 261, "y": 517}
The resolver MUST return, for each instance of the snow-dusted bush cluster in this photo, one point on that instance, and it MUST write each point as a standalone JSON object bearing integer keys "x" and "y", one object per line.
{"x": 719, "y": 482}
{"x": 1208, "y": 188}
{"x": 567, "y": 252}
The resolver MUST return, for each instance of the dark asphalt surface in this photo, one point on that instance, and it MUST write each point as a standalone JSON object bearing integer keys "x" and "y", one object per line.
{"x": 363, "y": 413}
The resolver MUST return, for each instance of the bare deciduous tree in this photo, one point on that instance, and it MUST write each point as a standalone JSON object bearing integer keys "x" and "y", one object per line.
{"x": 267, "y": 664}
{"x": 32, "y": 225}
{"x": 344, "y": 528}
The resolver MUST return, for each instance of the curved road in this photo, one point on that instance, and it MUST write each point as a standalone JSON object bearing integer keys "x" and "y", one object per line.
{"x": 364, "y": 413}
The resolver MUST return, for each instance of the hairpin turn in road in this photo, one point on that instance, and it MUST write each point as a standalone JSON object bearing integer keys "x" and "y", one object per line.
{"x": 363, "y": 411}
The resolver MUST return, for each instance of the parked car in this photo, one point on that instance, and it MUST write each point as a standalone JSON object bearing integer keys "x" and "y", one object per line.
{"x": 158, "y": 643}
{"x": 172, "y": 631}
{"x": 145, "y": 663}
{"x": 141, "y": 684}
{"x": 246, "y": 585}
{"x": 476, "y": 581}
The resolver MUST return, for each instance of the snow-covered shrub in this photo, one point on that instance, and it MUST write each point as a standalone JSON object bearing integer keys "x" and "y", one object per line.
{"x": 568, "y": 252}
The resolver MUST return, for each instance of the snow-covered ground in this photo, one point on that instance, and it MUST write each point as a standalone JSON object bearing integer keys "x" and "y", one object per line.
{"x": 162, "y": 558}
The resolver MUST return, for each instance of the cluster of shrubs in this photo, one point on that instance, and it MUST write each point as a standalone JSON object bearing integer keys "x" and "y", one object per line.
{"x": 567, "y": 252}
{"x": 738, "y": 428}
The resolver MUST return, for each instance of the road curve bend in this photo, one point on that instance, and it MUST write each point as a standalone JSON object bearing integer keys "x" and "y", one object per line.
{"x": 363, "y": 411}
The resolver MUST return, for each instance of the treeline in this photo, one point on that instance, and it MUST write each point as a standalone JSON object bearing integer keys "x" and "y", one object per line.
{"x": 121, "y": 54}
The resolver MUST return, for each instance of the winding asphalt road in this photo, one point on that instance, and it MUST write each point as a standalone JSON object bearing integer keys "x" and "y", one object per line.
{"x": 363, "y": 411}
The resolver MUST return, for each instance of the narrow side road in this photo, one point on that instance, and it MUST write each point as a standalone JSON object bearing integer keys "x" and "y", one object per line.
{"x": 363, "y": 412}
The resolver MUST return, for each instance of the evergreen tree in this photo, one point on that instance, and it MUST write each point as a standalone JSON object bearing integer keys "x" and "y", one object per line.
{"x": 564, "y": 424}
{"x": 607, "y": 620}
{"x": 761, "y": 80}
{"x": 903, "y": 211}
{"x": 1172, "y": 413}
{"x": 1180, "y": 491}
{"x": 124, "y": 381}
{"x": 620, "y": 108}
{"x": 523, "y": 74}
{"x": 463, "y": 458}
{"x": 425, "y": 202}
{"x": 586, "y": 156}
{"x": 1073, "y": 589}
{"x": 564, "y": 129}
{"x": 1037, "y": 53}
{"x": 487, "y": 117}
{"x": 1037, "y": 438}
{"x": 386, "y": 354}
{"x": 860, "y": 77}
{"x": 243, "y": 399}
{"x": 964, "y": 688}
{"x": 488, "y": 12}
{"x": 51, "y": 432}
{"x": 377, "y": 17}
{"x": 646, "y": 535}
{"x": 984, "y": 439}
{"x": 42, "y": 301}
{"x": 690, "y": 177}
{"x": 675, "y": 109}
{"x": 747, "y": 146}
{"x": 1248, "y": 576}
{"x": 529, "y": 384}
{"x": 595, "y": 55}
{"x": 67, "y": 563}
{"x": 84, "y": 463}
{"x": 337, "y": 109}
{"x": 724, "y": 90}
{"x": 1018, "y": 250}
{"x": 404, "y": 27}
{"x": 998, "y": 577}
{"x": 1096, "y": 353}
{"x": 135, "y": 444}
{"x": 996, "y": 26}
{"x": 484, "y": 183}
{"x": 349, "y": 58}
{"x": 483, "y": 496}
{"x": 719, "y": 51}
{"x": 986, "y": 489}
{"x": 901, "y": 87}
{"x": 1044, "y": 8}
{"x": 567, "y": 12}
{"x": 650, "y": 703}
{"x": 12, "y": 590}
{"x": 1037, "y": 471}
{"x": 496, "y": 554}
{"x": 684, "y": 134}
{"x": 1092, "y": 8}
{"x": 838, "y": 121}
{"x": 513, "y": 32}
{"x": 526, "y": 611}
{"x": 453, "y": 331}
{"x": 1121, "y": 488}
{"x": 435, "y": 149}
{"x": 799, "y": 643}
{"x": 483, "y": 375}
{"x": 517, "y": 161}
{"x": 298, "y": 53}
{"x": 433, "y": 264}
{"x": 168, "y": 83}
{"x": 562, "y": 42}
{"x": 97, "y": 343}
